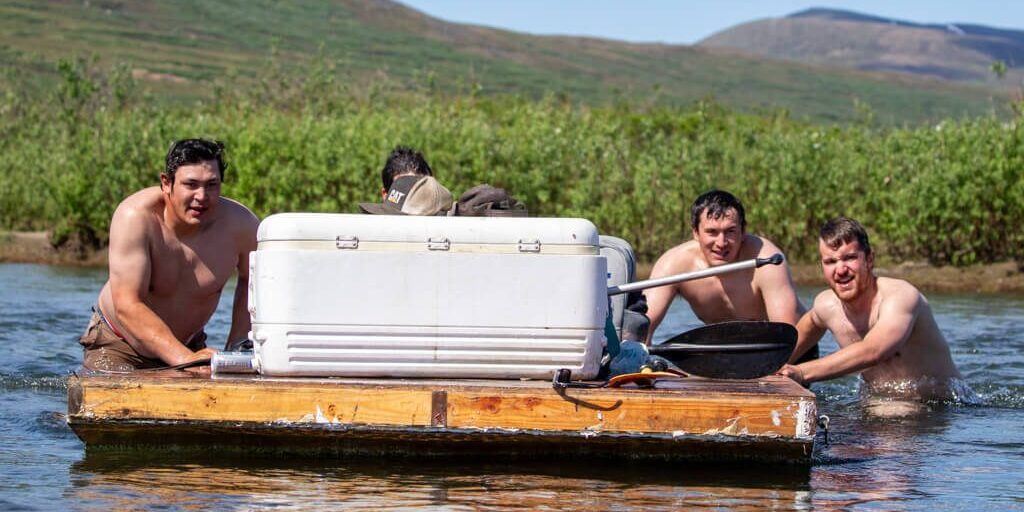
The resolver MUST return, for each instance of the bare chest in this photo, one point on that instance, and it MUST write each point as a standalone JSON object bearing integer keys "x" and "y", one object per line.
{"x": 851, "y": 328}
{"x": 720, "y": 300}
{"x": 197, "y": 268}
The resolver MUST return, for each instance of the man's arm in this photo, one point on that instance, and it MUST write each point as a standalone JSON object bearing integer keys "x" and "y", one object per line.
{"x": 659, "y": 299}
{"x": 809, "y": 331}
{"x": 130, "y": 268}
{"x": 776, "y": 286}
{"x": 240, "y": 320}
{"x": 895, "y": 322}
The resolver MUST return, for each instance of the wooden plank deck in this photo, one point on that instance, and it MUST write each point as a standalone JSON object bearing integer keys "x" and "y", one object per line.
{"x": 771, "y": 418}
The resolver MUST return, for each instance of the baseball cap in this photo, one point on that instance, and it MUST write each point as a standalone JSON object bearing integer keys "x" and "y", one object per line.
{"x": 412, "y": 195}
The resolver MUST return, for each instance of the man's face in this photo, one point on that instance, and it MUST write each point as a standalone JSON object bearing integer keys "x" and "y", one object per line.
{"x": 719, "y": 239}
{"x": 195, "y": 192}
{"x": 847, "y": 269}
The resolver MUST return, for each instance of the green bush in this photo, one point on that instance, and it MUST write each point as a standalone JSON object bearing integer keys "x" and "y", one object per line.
{"x": 951, "y": 193}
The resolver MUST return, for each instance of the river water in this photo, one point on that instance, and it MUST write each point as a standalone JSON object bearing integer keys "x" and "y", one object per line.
{"x": 952, "y": 457}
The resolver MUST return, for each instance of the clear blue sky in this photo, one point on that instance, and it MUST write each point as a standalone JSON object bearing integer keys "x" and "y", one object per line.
{"x": 688, "y": 21}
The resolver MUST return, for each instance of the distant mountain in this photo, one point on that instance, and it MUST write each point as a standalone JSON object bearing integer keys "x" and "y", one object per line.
{"x": 953, "y": 51}
{"x": 178, "y": 48}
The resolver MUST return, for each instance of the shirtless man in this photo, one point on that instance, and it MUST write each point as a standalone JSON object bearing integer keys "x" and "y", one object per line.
{"x": 720, "y": 237}
{"x": 884, "y": 327}
{"x": 172, "y": 249}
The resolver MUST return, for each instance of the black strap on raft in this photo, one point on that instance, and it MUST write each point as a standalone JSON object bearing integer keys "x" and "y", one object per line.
{"x": 562, "y": 380}
{"x": 182, "y": 366}
{"x": 191, "y": 364}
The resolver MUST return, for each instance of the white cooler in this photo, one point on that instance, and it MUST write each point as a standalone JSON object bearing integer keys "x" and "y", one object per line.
{"x": 403, "y": 296}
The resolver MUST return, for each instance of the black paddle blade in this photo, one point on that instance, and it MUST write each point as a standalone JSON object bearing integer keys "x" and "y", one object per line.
{"x": 731, "y": 350}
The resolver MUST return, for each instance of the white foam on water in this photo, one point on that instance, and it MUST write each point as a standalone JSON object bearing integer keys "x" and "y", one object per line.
{"x": 954, "y": 391}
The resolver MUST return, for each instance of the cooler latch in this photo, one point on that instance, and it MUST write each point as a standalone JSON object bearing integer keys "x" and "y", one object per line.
{"x": 438, "y": 244}
{"x": 346, "y": 242}
{"x": 529, "y": 246}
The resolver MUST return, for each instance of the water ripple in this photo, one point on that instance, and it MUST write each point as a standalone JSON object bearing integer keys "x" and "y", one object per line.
{"x": 1009, "y": 397}
{"x": 949, "y": 456}
{"x": 53, "y": 422}
{"x": 13, "y": 382}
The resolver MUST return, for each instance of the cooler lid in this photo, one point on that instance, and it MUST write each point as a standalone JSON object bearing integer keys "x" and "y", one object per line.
{"x": 404, "y": 228}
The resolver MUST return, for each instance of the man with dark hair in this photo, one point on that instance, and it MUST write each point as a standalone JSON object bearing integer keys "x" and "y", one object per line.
{"x": 403, "y": 161}
{"x": 413, "y": 195}
{"x": 172, "y": 250}
{"x": 884, "y": 327}
{"x": 409, "y": 187}
{"x": 720, "y": 237}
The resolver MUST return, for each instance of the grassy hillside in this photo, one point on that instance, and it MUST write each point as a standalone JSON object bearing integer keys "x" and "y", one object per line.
{"x": 953, "y": 52}
{"x": 180, "y": 50}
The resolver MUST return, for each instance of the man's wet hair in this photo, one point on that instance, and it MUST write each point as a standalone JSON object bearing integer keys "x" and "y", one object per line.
{"x": 841, "y": 230}
{"x": 403, "y": 160}
{"x": 716, "y": 204}
{"x": 194, "y": 151}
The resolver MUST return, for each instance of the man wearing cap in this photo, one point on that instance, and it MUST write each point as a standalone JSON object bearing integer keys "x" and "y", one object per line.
{"x": 412, "y": 195}
{"x": 405, "y": 190}
{"x": 402, "y": 161}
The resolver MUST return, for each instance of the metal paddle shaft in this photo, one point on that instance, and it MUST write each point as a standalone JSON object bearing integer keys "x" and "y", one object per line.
{"x": 735, "y": 347}
{"x": 775, "y": 259}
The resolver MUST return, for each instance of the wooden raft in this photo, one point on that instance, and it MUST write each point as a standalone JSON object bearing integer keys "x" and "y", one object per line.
{"x": 771, "y": 418}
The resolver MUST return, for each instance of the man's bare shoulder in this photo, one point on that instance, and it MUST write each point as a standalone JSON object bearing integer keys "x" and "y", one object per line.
{"x": 238, "y": 213}
{"x": 148, "y": 197}
{"x": 140, "y": 206}
{"x": 679, "y": 259}
{"x": 894, "y": 285}
{"x": 759, "y": 247}
{"x": 239, "y": 222}
{"x": 898, "y": 290}
{"x": 825, "y": 304}
{"x": 768, "y": 246}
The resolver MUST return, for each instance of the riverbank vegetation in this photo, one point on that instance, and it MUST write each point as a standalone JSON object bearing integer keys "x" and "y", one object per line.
{"x": 946, "y": 193}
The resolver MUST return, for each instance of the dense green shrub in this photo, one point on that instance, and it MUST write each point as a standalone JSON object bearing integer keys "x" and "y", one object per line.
{"x": 952, "y": 193}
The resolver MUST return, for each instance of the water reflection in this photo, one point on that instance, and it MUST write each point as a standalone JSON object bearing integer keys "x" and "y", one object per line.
{"x": 111, "y": 479}
{"x": 950, "y": 457}
{"x": 876, "y": 459}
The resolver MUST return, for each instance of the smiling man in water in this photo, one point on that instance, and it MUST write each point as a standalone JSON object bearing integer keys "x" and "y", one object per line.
{"x": 172, "y": 249}
{"x": 884, "y": 327}
{"x": 720, "y": 237}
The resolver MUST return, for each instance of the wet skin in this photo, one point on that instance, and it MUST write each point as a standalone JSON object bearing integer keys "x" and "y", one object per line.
{"x": 884, "y": 327}
{"x": 172, "y": 249}
{"x": 763, "y": 294}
